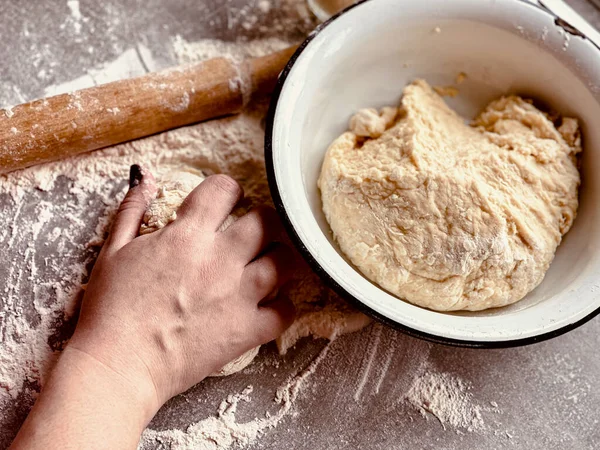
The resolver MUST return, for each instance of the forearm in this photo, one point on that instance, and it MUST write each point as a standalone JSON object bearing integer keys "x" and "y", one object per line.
{"x": 85, "y": 404}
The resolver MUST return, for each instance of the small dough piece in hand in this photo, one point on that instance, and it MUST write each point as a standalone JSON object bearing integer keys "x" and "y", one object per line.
{"x": 173, "y": 188}
{"x": 172, "y": 191}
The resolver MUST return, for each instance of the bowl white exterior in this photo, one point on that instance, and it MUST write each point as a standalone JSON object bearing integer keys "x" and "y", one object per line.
{"x": 364, "y": 57}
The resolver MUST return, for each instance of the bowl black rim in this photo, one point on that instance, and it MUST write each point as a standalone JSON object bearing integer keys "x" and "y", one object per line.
{"x": 314, "y": 264}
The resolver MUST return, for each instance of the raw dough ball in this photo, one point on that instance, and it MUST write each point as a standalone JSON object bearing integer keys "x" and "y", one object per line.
{"x": 173, "y": 189}
{"x": 449, "y": 216}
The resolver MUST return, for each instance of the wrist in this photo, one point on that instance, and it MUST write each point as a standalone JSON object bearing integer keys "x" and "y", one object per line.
{"x": 85, "y": 404}
{"x": 123, "y": 387}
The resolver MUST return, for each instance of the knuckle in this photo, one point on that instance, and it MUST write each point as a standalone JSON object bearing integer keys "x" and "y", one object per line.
{"x": 226, "y": 184}
{"x": 133, "y": 201}
{"x": 178, "y": 237}
{"x": 265, "y": 279}
{"x": 261, "y": 223}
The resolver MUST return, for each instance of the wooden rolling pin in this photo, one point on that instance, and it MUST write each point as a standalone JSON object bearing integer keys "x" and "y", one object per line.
{"x": 89, "y": 119}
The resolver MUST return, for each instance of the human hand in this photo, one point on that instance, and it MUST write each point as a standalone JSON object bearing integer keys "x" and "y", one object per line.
{"x": 166, "y": 309}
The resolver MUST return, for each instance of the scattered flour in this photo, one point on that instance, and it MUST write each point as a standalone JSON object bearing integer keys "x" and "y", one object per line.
{"x": 74, "y": 7}
{"x": 129, "y": 64}
{"x": 264, "y": 6}
{"x": 283, "y": 16}
{"x": 223, "y": 431}
{"x": 448, "y": 399}
{"x": 76, "y": 18}
{"x": 191, "y": 52}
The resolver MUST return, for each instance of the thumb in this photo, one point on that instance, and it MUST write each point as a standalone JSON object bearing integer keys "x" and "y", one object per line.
{"x": 142, "y": 188}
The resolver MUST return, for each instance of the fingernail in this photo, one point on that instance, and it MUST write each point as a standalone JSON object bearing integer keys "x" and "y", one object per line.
{"x": 135, "y": 175}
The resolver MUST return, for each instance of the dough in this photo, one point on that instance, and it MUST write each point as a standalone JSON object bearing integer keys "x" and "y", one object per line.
{"x": 370, "y": 123}
{"x": 328, "y": 321}
{"x": 173, "y": 189}
{"x": 450, "y": 216}
{"x": 239, "y": 363}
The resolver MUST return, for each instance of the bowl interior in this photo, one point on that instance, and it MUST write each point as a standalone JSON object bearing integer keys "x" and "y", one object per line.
{"x": 364, "y": 58}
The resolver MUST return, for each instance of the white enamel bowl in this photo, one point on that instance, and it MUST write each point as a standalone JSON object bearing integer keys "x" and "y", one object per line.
{"x": 364, "y": 57}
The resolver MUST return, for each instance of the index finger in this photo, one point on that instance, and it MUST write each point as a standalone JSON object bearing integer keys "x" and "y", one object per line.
{"x": 209, "y": 204}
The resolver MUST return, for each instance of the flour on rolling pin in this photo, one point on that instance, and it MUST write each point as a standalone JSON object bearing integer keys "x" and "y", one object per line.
{"x": 77, "y": 122}
{"x": 8, "y": 112}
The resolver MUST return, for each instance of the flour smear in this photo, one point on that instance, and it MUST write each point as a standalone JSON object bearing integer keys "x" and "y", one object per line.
{"x": 448, "y": 399}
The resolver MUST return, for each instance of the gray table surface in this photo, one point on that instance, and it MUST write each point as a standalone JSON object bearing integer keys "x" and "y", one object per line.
{"x": 546, "y": 393}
